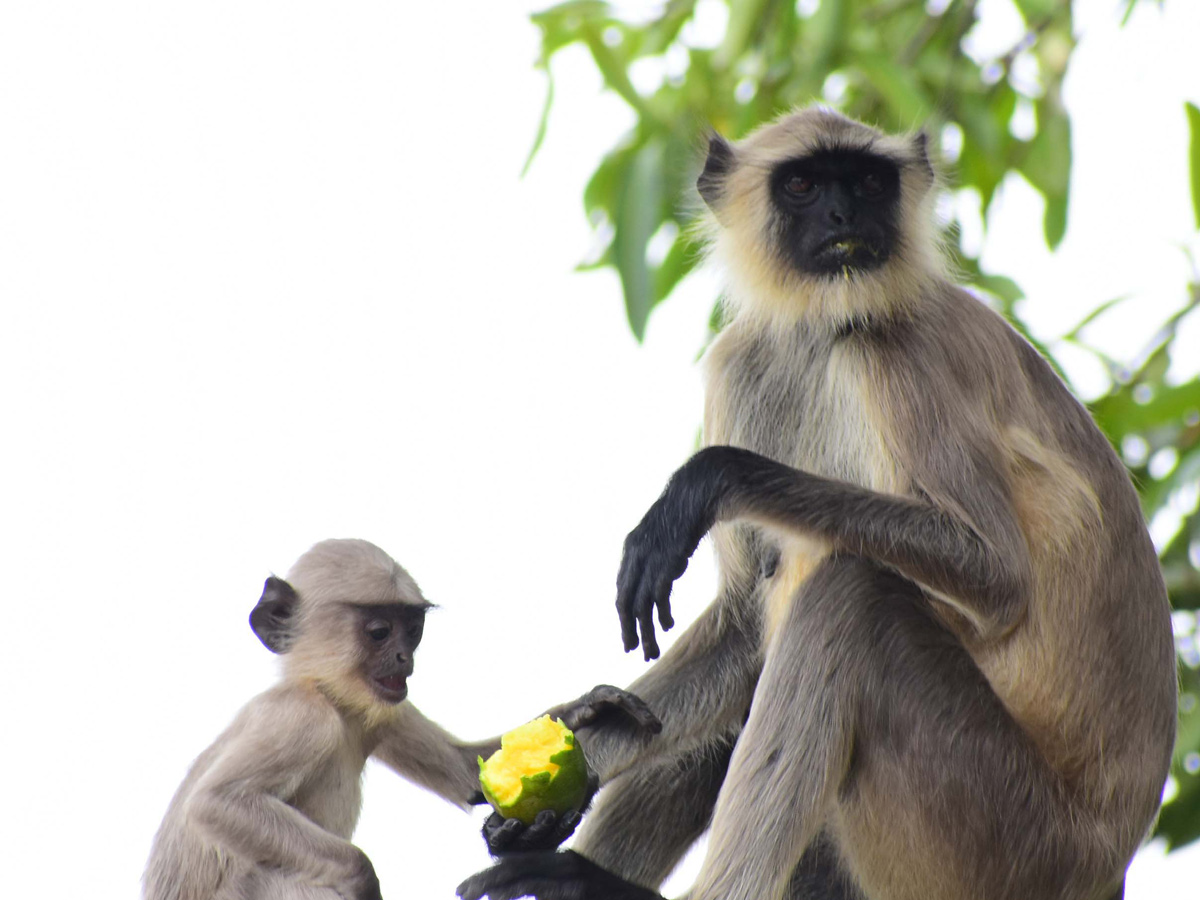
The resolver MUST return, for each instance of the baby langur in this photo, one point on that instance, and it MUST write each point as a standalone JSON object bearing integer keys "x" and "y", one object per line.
{"x": 939, "y": 665}
{"x": 267, "y": 812}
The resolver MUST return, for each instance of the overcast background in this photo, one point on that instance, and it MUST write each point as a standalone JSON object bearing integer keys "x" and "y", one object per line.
{"x": 268, "y": 275}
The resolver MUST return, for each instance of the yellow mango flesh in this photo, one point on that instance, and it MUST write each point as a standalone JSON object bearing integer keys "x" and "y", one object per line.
{"x": 538, "y": 766}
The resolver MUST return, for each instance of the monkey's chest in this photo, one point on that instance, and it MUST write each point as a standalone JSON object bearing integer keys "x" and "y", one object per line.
{"x": 332, "y": 797}
{"x": 812, "y": 408}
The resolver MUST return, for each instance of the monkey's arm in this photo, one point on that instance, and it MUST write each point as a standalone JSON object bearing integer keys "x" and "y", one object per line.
{"x": 987, "y": 571}
{"x": 241, "y": 802}
{"x": 422, "y": 751}
{"x": 425, "y": 753}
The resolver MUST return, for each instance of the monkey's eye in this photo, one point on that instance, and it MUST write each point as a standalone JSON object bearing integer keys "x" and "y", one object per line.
{"x": 799, "y": 185}
{"x": 871, "y": 185}
{"x": 378, "y": 630}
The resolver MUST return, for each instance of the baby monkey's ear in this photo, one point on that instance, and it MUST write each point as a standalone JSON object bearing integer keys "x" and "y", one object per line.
{"x": 273, "y": 618}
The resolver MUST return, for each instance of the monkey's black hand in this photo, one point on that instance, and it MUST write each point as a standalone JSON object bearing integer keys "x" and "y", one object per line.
{"x": 658, "y": 550}
{"x": 504, "y": 836}
{"x": 550, "y": 876}
{"x": 603, "y": 702}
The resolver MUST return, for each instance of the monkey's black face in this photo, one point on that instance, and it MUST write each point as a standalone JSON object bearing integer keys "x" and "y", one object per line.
{"x": 838, "y": 210}
{"x": 389, "y": 635}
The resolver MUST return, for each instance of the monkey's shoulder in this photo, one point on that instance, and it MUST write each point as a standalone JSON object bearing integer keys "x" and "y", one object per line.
{"x": 291, "y": 726}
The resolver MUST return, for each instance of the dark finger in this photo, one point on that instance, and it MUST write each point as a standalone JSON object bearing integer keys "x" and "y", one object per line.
{"x": 630, "y": 704}
{"x": 496, "y": 878}
{"x": 644, "y": 610}
{"x": 501, "y": 835}
{"x": 567, "y": 824}
{"x": 537, "y": 834}
{"x": 526, "y": 887}
{"x": 627, "y": 583}
{"x": 635, "y": 707}
{"x": 509, "y": 879}
{"x": 663, "y": 601}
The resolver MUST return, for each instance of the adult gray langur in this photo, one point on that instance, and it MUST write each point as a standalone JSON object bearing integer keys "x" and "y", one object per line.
{"x": 940, "y": 664}
{"x": 267, "y": 811}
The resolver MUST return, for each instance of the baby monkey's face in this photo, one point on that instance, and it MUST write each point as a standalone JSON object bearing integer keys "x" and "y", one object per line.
{"x": 389, "y": 634}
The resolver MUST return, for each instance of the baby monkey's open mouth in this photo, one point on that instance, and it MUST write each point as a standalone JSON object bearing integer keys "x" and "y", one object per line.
{"x": 392, "y": 687}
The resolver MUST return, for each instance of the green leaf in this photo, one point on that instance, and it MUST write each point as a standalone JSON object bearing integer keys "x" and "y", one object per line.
{"x": 612, "y": 66}
{"x": 1036, "y": 11}
{"x": 1119, "y": 412}
{"x": 601, "y": 189}
{"x": 638, "y": 215}
{"x": 899, "y": 89}
{"x": 1001, "y": 286}
{"x": 680, "y": 259}
{"x": 744, "y": 18}
{"x": 1096, "y": 313}
{"x": 1193, "y": 117}
{"x": 1180, "y": 819}
{"x": 540, "y": 135}
{"x": 823, "y": 33}
{"x": 560, "y": 25}
{"x": 1047, "y": 165}
{"x": 1054, "y": 222}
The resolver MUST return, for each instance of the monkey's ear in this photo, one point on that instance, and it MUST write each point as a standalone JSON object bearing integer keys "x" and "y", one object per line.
{"x": 717, "y": 167}
{"x": 272, "y": 618}
{"x": 921, "y": 151}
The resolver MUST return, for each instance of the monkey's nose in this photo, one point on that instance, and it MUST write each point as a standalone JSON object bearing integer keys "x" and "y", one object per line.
{"x": 837, "y": 216}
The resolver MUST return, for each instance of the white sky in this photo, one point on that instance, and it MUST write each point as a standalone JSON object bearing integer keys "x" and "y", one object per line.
{"x": 269, "y": 275}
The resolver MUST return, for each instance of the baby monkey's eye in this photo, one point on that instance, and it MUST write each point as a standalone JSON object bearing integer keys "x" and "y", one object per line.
{"x": 378, "y": 630}
{"x": 871, "y": 185}
{"x": 799, "y": 184}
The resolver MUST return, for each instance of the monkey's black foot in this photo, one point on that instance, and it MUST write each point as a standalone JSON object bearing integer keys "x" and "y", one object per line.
{"x": 550, "y": 876}
{"x": 603, "y": 702}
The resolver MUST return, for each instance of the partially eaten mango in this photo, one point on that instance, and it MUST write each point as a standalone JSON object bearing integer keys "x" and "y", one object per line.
{"x": 538, "y": 766}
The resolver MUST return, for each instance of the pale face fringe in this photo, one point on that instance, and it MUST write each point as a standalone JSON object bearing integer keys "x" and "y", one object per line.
{"x": 741, "y": 238}
{"x": 761, "y": 286}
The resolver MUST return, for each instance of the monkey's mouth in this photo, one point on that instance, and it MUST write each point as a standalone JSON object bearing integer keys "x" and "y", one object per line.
{"x": 847, "y": 250}
{"x": 392, "y": 688}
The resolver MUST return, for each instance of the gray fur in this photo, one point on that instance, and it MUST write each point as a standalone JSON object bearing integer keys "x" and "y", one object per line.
{"x": 267, "y": 812}
{"x": 960, "y": 676}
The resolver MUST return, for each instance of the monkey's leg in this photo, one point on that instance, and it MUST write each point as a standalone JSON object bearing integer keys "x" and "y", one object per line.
{"x": 699, "y": 690}
{"x": 947, "y": 796}
{"x": 644, "y": 822}
{"x": 872, "y": 722}
{"x": 793, "y": 753}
